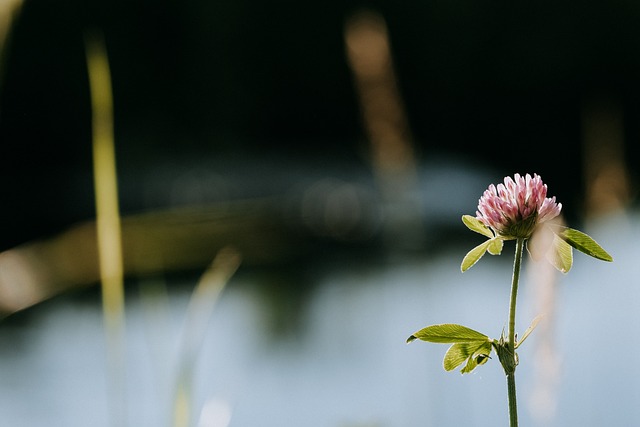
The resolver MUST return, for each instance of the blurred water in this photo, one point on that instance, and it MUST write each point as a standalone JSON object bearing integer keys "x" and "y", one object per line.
{"x": 348, "y": 364}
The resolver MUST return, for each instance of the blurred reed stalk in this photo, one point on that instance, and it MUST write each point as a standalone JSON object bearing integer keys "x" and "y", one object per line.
{"x": 108, "y": 228}
{"x": 543, "y": 277}
{"x": 9, "y": 10}
{"x": 368, "y": 51}
{"x": 607, "y": 182}
{"x": 201, "y": 305}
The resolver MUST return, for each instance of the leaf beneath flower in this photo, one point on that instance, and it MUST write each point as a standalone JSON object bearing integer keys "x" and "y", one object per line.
{"x": 474, "y": 255}
{"x": 582, "y": 242}
{"x": 474, "y": 224}
{"x": 560, "y": 255}
{"x": 448, "y": 333}
{"x": 495, "y": 247}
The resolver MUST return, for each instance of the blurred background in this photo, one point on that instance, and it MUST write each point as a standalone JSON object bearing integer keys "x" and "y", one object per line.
{"x": 335, "y": 146}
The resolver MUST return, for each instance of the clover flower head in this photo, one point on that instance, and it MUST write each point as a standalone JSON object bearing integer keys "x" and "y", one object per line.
{"x": 515, "y": 208}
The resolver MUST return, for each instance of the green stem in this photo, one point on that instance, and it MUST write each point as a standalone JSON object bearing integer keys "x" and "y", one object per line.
{"x": 511, "y": 336}
{"x": 511, "y": 332}
{"x": 513, "y": 406}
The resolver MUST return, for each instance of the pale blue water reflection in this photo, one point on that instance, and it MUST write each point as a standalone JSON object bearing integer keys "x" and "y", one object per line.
{"x": 348, "y": 365}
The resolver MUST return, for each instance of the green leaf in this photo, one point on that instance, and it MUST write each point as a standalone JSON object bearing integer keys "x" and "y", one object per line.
{"x": 411, "y": 339}
{"x": 583, "y": 242}
{"x": 479, "y": 357}
{"x": 560, "y": 255}
{"x": 474, "y": 353}
{"x": 448, "y": 333}
{"x": 495, "y": 247}
{"x": 474, "y": 255}
{"x": 530, "y": 329}
{"x": 468, "y": 345}
{"x": 456, "y": 355}
{"x": 470, "y": 366}
{"x": 474, "y": 224}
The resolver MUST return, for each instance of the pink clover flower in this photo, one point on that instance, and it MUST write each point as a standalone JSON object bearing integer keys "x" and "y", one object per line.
{"x": 515, "y": 208}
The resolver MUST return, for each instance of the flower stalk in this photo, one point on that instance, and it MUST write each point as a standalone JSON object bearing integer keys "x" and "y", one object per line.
{"x": 511, "y": 335}
{"x": 517, "y": 262}
{"x": 513, "y": 405}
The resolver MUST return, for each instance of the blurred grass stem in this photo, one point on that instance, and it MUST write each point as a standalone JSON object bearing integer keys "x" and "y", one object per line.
{"x": 108, "y": 222}
{"x": 201, "y": 305}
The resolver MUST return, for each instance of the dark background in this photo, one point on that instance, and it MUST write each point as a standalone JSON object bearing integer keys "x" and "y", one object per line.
{"x": 500, "y": 84}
